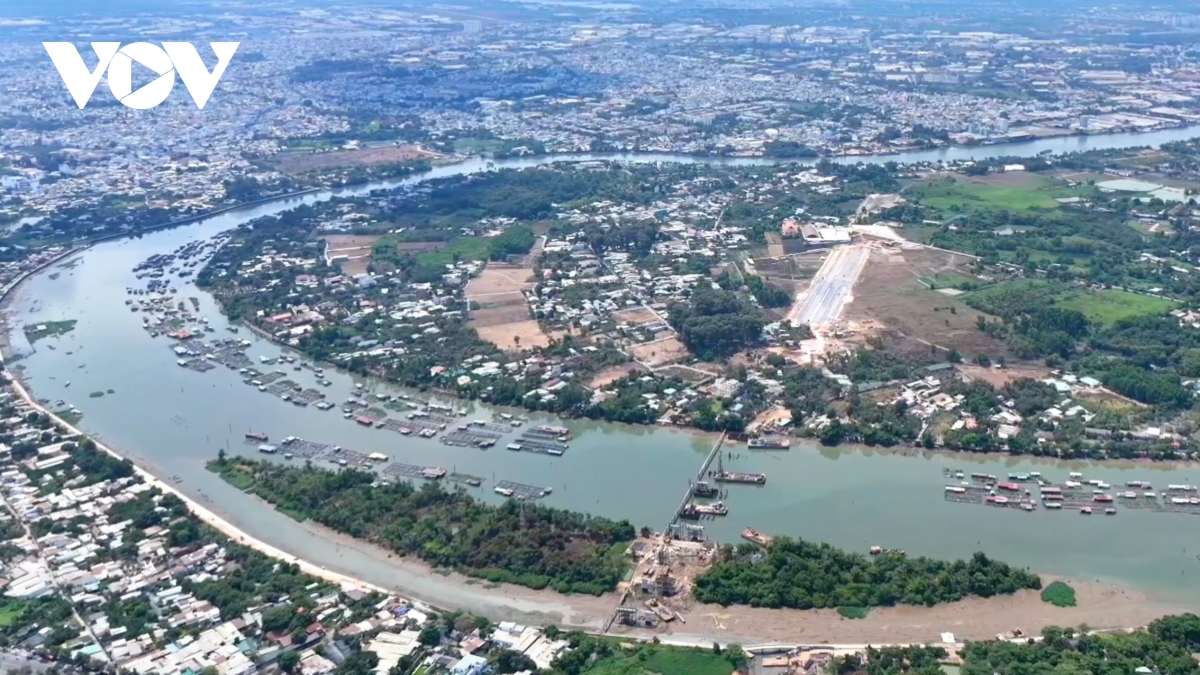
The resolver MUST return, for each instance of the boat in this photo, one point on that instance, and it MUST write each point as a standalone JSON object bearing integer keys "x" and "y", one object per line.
{"x": 1087, "y": 510}
{"x": 705, "y": 490}
{"x": 503, "y": 491}
{"x": 1110, "y": 512}
{"x": 257, "y": 436}
{"x": 751, "y": 534}
{"x": 692, "y": 511}
{"x": 1053, "y": 506}
{"x": 740, "y": 477}
{"x": 769, "y": 443}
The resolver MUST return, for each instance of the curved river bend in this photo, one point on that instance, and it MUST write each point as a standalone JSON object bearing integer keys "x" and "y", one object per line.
{"x": 172, "y": 420}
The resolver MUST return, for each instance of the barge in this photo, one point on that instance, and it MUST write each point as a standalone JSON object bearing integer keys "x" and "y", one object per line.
{"x": 769, "y": 443}
{"x": 257, "y": 436}
{"x": 751, "y": 534}
{"x": 740, "y": 477}
{"x": 695, "y": 511}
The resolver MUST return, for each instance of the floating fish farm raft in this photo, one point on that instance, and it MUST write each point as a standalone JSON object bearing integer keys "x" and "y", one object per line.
{"x": 414, "y": 471}
{"x": 464, "y": 479}
{"x": 1030, "y": 492}
{"x": 508, "y": 488}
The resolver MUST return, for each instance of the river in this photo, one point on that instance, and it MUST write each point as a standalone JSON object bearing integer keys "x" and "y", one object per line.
{"x": 173, "y": 420}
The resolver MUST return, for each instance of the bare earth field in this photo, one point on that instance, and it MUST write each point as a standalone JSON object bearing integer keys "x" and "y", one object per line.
{"x": 356, "y": 247}
{"x": 1099, "y": 605}
{"x": 635, "y": 316}
{"x": 502, "y": 317}
{"x": 612, "y": 374}
{"x": 659, "y": 352}
{"x": 311, "y": 161}
{"x": 1000, "y": 377}
{"x": 888, "y": 291}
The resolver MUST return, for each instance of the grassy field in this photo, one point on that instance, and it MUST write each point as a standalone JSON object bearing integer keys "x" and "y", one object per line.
{"x": 463, "y": 248}
{"x": 662, "y": 660}
{"x": 960, "y": 196}
{"x": 474, "y": 146}
{"x": 953, "y": 279}
{"x": 1109, "y": 307}
{"x": 853, "y": 612}
{"x": 232, "y": 474}
{"x": 1059, "y": 595}
{"x": 10, "y": 613}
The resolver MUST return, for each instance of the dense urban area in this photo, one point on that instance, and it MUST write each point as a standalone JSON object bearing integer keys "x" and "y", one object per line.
{"x": 778, "y": 226}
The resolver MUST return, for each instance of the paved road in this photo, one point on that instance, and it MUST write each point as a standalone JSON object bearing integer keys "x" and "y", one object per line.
{"x": 830, "y": 288}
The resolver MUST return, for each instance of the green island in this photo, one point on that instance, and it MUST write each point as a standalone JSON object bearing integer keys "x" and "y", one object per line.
{"x": 804, "y": 575}
{"x": 48, "y": 329}
{"x": 541, "y": 547}
{"x": 525, "y": 544}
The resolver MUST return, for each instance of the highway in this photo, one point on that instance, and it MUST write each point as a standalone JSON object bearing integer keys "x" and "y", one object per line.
{"x": 830, "y": 288}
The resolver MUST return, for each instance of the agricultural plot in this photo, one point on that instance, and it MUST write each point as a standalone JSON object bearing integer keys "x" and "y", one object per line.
{"x": 1015, "y": 191}
{"x": 500, "y": 314}
{"x": 1110, "y": 306}
{"x": 1104, "y": 307}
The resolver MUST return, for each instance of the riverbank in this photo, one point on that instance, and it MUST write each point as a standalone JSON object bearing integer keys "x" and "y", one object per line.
{"x": 1100, "y": 605}
{"x": 203, "y": 513}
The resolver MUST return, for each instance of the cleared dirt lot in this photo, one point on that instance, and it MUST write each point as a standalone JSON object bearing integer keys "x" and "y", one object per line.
{"x": 355, "y": 247}
{"x": 299, "y": 162}
{"x": 889, "y": 293}
{"x": 609, "y": 375}
{"x": 659, "y": 352}
{"x": 998, "y": 377}
{"x": 501, "y": 315}
{"x": 635, "y": 316}
{"x": 513, "y": 335}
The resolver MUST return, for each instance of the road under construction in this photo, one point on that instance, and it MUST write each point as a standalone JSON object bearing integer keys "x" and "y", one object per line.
{"x": 830, "y": 289}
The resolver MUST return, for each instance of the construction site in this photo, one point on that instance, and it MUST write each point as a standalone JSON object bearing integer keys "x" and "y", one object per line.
{"x": 878, "y": 283}
{"x": 659, "y": 591}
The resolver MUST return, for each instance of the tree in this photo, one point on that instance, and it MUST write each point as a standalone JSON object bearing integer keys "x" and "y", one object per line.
{"x": 509, "y": 661}
{"x": 289, "y": 661}
{"x": 431, "y": 635}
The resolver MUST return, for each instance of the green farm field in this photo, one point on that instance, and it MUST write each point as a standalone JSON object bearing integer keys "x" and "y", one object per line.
{"x": 1019, "y": 192}
{"x": 1111, "y": 306}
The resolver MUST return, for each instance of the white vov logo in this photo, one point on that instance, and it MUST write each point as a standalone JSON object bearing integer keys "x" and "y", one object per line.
{"x": 179, "y": 57}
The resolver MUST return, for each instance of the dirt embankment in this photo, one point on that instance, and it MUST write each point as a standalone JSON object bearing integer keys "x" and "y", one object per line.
{"x": 1099, "y": 605}
{"x": 300, "y": 162}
